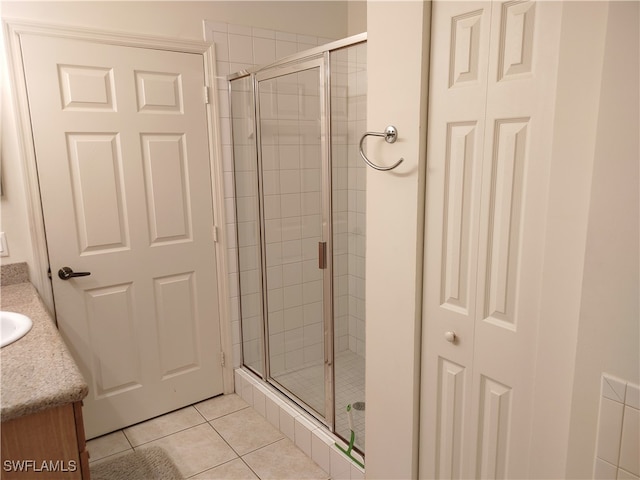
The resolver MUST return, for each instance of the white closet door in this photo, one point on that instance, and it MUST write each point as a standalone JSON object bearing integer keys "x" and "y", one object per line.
{"x": 491, "y": 100}
{"x": 457, "y": 101}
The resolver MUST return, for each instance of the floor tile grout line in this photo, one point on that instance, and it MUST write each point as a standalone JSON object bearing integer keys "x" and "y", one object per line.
{"x": 128, "y": 450}
{"x": 195, "y": 405}
{"x": 225, "y": 440}
{"x": 165, "y": 435}
{"x": 114, "y": 453}
{"x": 133, "y": 448}
{"x": 249, "y": 467}
{"x": 199, "y": 412}
{"x": 280, "y": 440}
{"x": 125, "y": 436}
{"x": 267, "y": 445}
{"x": 128, "y": 441}
{"x": 229, "y": 413}
{"x": 211, "y": 468}
{"x": 220, "y": 435}
{"x": 237, "y": 455}
{"x": 161, "y": 416}
{"x": 224, "y": 463}
{"x": 250, "y": 451}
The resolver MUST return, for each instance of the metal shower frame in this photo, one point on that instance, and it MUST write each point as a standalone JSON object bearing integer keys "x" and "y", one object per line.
{"x": 318, "y": 57}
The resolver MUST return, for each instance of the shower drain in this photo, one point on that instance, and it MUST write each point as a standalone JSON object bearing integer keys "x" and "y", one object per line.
{"x": 358, "y": 406}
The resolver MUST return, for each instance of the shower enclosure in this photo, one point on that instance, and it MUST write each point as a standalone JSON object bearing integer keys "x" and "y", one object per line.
{"x": 300, "y": 217}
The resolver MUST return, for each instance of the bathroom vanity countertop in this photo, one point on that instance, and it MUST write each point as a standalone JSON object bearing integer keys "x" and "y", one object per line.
{"x": 37, "y": 370}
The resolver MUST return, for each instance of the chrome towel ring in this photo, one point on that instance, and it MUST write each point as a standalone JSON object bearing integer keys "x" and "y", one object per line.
{"x": 390, "y": 135}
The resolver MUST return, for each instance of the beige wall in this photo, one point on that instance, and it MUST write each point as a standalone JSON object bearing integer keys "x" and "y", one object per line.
{"x": 576, "y": 113}
{"x": 357, "y": 16}
{"x": 609, "y": 331}
{"x": 397, "y": 56}
{"x": 184, "y": 19}
{"x": 589, "y": 319}
{"x": 13, "y": 206}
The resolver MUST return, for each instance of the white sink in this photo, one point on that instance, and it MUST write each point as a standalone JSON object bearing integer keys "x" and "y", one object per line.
{"x": 13, "y": 327}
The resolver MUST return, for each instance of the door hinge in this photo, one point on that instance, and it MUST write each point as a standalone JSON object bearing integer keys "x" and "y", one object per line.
{"x": 222, "y": 359}
{"x": 206, "y": 95}
{"x": 49, "y": 273}
{"x": 214, "y": 233}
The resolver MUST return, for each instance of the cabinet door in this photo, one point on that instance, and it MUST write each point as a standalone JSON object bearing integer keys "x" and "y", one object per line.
{"x": 81, "y": 439}
{"x": 41, "y": 445}
{"x": 490, "y": 116}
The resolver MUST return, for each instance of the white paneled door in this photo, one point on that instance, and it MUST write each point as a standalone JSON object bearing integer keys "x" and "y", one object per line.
{"x": 491, "y": 104}
{"x": 122, "y": 147}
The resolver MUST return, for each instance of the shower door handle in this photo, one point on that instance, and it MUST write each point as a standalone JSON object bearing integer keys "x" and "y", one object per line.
{"x": 322, "y": 255}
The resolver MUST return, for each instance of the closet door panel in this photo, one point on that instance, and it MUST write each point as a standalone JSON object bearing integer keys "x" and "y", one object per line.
{"x": 491, "y": 101}
{"x": 454, "y": 173}
{"x": 517, "y": 148}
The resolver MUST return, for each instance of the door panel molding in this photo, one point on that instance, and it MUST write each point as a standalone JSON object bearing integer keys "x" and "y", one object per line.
{"x": 487, "y": 235}
{"x": 14, "y": 29}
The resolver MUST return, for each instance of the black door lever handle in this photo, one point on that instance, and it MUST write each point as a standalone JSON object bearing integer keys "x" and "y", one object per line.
{"x": 65, "y": 273}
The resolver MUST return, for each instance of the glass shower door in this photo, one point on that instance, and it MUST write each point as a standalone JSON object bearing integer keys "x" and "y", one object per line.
{"x": 247, "y": 219}
{"x": 348, "y": 124}
{"x": 292, "y": 153}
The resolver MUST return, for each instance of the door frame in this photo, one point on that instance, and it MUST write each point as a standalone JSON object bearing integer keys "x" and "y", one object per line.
{"x": 13, "y": 30}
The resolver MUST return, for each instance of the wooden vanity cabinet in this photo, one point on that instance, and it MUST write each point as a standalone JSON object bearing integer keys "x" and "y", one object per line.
{"x": 49, "y": 444}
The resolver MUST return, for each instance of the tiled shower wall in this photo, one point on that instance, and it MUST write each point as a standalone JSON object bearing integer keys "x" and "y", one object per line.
{"x": 239, "y": 47}
{"x": 618, "y": 441}
{"x": 292, "y": 185}
{"x": 348, "y": 121}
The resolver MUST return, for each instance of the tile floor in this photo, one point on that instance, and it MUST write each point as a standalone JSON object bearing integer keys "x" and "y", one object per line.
{"x": 219, "y": 438}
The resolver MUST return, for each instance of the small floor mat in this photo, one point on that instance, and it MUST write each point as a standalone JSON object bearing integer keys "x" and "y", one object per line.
{"x": 151, "y": 463}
